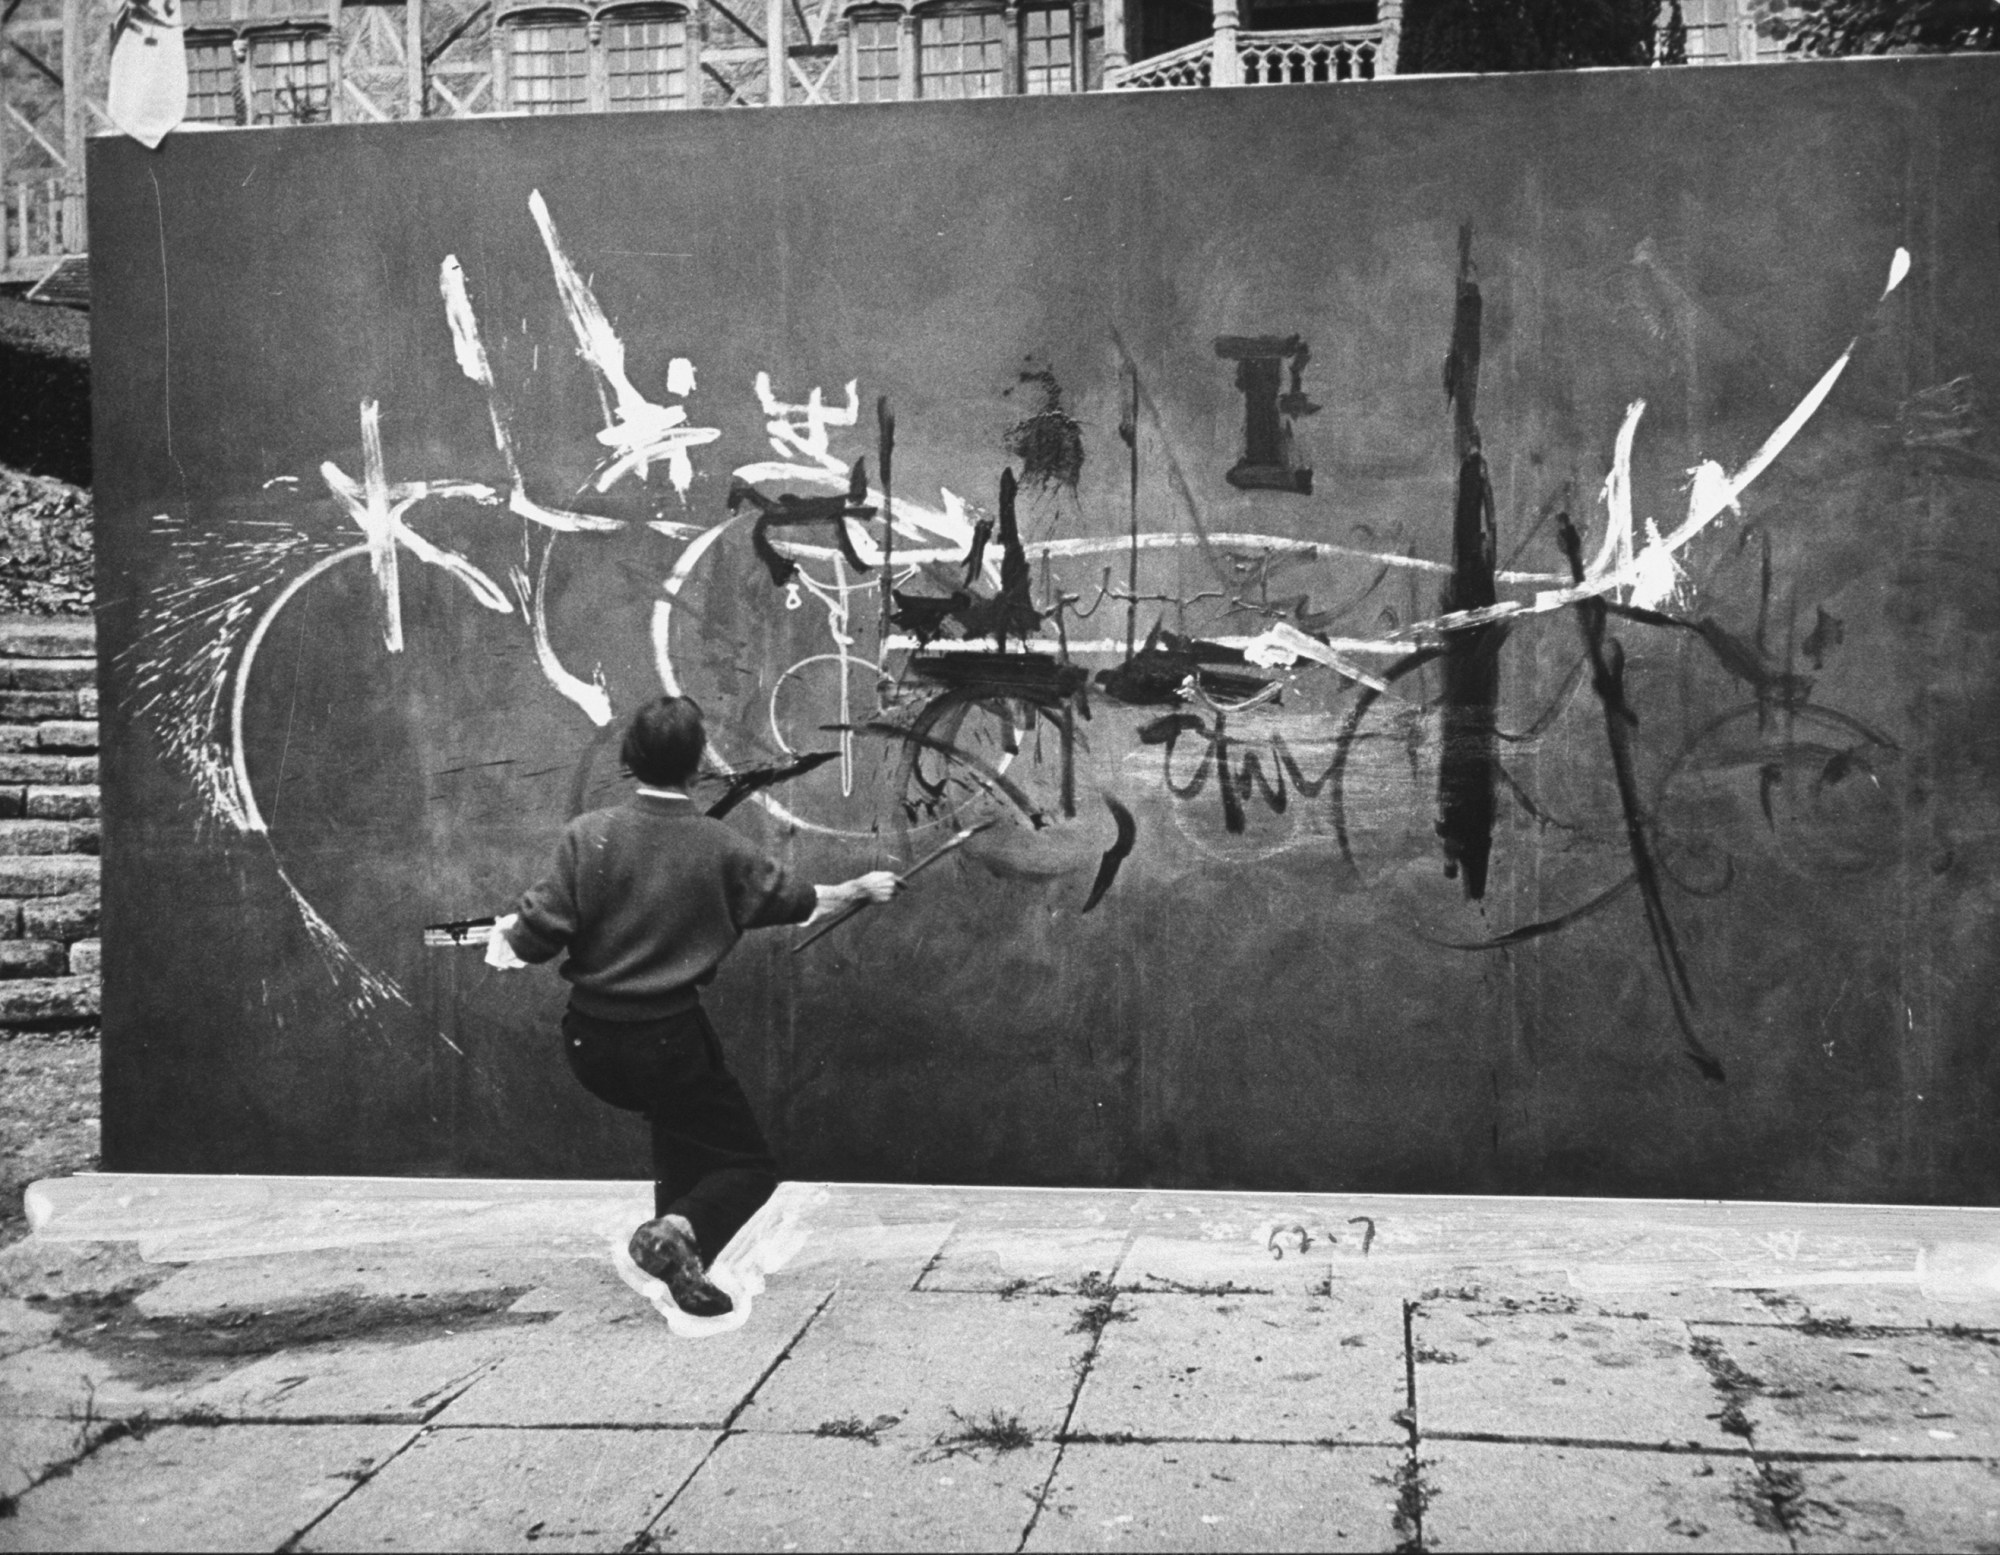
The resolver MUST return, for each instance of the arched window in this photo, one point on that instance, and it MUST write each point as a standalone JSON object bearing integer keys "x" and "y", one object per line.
{"x": 548, "y": 62}
{"x": 877, "y": 40}
{"x": 645, "y": 59}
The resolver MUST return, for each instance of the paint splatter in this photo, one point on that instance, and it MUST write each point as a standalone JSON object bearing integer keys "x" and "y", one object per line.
{"x": 1047, "y": 440}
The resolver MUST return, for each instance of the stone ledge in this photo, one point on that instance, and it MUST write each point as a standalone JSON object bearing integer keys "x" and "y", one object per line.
{"x": 49, "y": 998}
{"x": 67, "y": 734}
{"x": 48, "y": 637}
{"x": 86, "y": 958}
{"x": 47, "y": 674}
{"x": 33, "y": 706}
{"x": 60, "y": 802}
{"x": 33, "y": 877}
{"x": 67, "y": 918}
{"x": 65, "y": 770}
{"x": 41, "y": 838}
{"x": 32, "y": 958}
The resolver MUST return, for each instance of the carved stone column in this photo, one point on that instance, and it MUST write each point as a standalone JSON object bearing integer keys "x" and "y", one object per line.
{"x": 1225, "y": 66}
{"x": 1391, "y": 13}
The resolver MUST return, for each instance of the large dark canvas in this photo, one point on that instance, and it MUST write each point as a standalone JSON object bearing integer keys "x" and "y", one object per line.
{"x": 1340, "y": 837}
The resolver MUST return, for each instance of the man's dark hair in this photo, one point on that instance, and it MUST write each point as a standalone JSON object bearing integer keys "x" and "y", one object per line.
{"x": 664, "y": 744}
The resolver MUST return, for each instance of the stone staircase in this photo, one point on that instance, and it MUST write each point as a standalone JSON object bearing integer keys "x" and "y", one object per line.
{"x": 49, "y": 871}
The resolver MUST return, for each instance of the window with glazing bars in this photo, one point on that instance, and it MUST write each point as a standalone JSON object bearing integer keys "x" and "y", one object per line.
{"x": 289, "y": 83}
{"x": 878, "y": 70}
{"x": 960, "y": 54}
{"x": 646, "y": 62}
{"x": 211, "y": 71}
{"x": 1045, "y": 51}
{"x": 549, "y": 67}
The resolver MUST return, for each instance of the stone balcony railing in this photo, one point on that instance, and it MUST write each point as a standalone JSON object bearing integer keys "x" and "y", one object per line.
{"x": 1235, "y": 58}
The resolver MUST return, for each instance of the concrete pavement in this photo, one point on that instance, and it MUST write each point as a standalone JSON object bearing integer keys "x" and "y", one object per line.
{"x": 341, "y": 1364}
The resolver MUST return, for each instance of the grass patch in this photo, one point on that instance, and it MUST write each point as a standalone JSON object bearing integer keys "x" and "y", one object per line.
{"x": 995, "y": 1432}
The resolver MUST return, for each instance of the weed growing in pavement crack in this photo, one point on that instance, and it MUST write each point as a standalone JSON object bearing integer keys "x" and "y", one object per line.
{"x": 1002, "y": 1433}
{"x": 854, "y": 1428}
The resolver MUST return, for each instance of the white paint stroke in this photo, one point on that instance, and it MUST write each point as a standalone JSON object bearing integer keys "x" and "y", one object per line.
{"x": 663, "y": 608}
{"x": 364, "y": 991}
{"x": 638, "y": 431}
{"x": 1616, "y": 551}
{"x": 378, "y": 510}
{"x": 589, "y": 695}
{"x": 1283, "y": 645}
{"x": 243, "y": 810}
{"x": 473, "y": 361}
{"x": 1114, "y": 647}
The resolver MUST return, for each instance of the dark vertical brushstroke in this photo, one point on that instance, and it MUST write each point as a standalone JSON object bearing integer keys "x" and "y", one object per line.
{"x": 1130, "y": 432}
{"x": 885, "y": 452}
{"x": 1468, "y": 763}
{"x": 1018, "y": 613}
{"x": 1115, "y": 855}
{"x": 1607, "y": 666}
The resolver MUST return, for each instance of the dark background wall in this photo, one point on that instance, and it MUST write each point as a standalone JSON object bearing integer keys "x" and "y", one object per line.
{"x": 1262, "y": 997}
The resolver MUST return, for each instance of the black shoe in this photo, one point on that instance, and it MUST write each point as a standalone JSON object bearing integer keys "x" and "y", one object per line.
{"x": 668, "y": 1253}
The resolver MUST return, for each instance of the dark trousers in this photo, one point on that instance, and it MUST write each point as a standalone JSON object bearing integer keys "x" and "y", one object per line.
{"x": 710, "y": 1161}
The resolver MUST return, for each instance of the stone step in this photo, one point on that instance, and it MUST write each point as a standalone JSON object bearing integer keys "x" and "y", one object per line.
{"x": 67, "y": 734}
{"x": 48, "y": 674}
{"x": 67, "y": 918}
{"x": 60, "y": 802}
{"x": 34, "y": 706}
{"x": 48, "y": 637}
{"x": 43, "y": 768}
{"x": 26, "y": 999}
{"x": 37, "y": 838}
{"x": 33, "y": 958}
{"x": 33, "y": 878}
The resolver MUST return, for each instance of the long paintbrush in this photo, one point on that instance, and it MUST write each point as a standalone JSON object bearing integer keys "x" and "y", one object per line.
{"x": 957, "y": 840}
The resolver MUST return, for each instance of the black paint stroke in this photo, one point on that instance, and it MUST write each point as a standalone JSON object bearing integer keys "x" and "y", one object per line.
{"x": 885, "y": 458}
{"x": 988, "y": 775}
{"x": 1153, "y": 676}
{"x": 1607, "y": 663}
{"x": 1747, "y": 661}
{"x": 1828, "y": 632}
{"x": 1531, "y": 931}
{"x": 1469, "y": 760}
{"x": 1010, "y": 613}
{"x": 1115, "y": 855}
{"x": 1025, "y": 677}
{"x": 1048, "y": 440}
{"x": 789, "y": 511}
{"x": 743, "y": 784}
{"x": 1268, "y": 463}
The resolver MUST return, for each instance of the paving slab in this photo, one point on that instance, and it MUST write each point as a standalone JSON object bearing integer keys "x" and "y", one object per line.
{"x": 918, "y": 1358}
{"x": 1238, "y": 1263}
{"x": 24, "y": 1326}
{"x": 394, "y": 1271}
{"x": 30, "y": 1447}
{"x": 386, "y": 1383}
{"x": 770, "y": 1492}
{"x": 62, "y": 1382}
{"x": 200, "y": 1488}
{"x": 515, "y": 1490}
{"x": 1920, "y": 1395}
{"x": 1004, "y": 1258}
{"x": 868, "y": 1257}
{"x": 1574, "y": 1376}
{"x": 1248, "y": 1368}
{"x": 1220, "y": 1496}
{"x": 1898, "y": 1506}
{"x": 1521, "y": 1496}
{"x": 630, "y": 1369}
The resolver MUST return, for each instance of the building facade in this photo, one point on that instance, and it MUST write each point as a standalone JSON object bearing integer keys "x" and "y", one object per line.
{"x": 258, "y": 63}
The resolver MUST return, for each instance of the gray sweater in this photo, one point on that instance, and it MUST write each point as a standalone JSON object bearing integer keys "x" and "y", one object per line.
{"x": 648, "y": 898}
